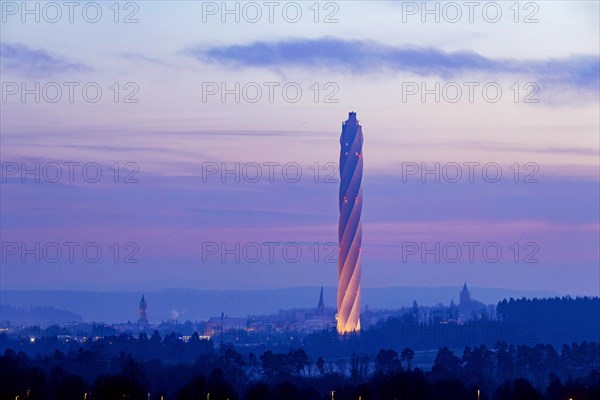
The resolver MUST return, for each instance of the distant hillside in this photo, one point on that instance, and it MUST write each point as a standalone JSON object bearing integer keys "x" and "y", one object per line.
{"x": 192, "y": 304}
{"x": 35, "y": 315}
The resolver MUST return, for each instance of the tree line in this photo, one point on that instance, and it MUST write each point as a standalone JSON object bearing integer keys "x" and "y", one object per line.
{"x": 501, "y": 372}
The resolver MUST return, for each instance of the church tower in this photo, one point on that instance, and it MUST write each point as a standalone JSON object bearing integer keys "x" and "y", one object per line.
{"x": 465, "y": 295}
{"x": 143, "y": 313}
{"x": 321, "y": 306}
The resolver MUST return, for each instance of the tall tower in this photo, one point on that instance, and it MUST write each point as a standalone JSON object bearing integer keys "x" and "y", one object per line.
{"x": 143, "y": 313}
{"x": 350, "y": 226}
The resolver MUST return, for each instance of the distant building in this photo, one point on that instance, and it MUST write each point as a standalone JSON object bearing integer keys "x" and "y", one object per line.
{"x": 468, "y": 308}
{"x": 222, "y": 324}
{"x": 143, "y": 314}
{"x": 321, "y": 305}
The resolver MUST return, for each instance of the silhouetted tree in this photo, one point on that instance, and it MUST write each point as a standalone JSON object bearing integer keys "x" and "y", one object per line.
{"x": 321, "y": 365}
{"x": 446, "y": 364}
{"x": 219, "y": 387}
{"x": 387, "y": 361}
{"x": 407, "y": 355}
{"x": 194, "y": 389}
{"x": 519, "y": 389}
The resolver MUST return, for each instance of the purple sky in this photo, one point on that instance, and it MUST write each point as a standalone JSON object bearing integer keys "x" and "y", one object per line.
{"x": 172, "y": 138}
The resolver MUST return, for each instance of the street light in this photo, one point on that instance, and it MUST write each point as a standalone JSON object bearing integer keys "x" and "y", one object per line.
{"x": 478, "y": 393}
{"x": 332, "y": 393}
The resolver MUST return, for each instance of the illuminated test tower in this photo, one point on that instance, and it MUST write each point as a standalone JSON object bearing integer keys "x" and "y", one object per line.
{"x": 350, "y": 226}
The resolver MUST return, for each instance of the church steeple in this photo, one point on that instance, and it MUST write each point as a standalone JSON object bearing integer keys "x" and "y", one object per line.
{"x": 465, "y": 295}
{"x": 321, "y": 306}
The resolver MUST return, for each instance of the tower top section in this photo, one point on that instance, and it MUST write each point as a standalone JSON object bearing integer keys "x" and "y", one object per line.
{"x": 352, "y": 119}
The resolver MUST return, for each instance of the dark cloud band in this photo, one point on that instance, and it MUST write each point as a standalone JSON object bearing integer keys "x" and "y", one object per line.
{"x": 21, "y": 59}
{"x": 363, "y": 57}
